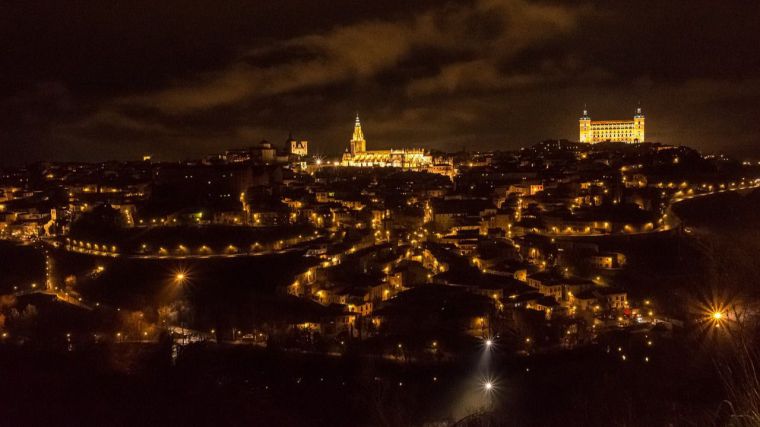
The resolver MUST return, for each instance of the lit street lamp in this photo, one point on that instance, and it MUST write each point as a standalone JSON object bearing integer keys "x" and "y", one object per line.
{"x": 488, "y": 343}
{"x": 488, "y": 388}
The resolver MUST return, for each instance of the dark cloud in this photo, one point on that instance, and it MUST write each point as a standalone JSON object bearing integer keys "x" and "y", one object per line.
{"x": 92, "y": 80}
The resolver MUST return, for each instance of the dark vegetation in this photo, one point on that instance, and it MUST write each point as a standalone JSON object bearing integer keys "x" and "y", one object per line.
{"x": 20, "y": 266}
{"x": 135, "y": 384}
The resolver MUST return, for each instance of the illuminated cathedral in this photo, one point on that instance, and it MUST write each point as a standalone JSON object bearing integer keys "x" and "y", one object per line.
{"x": 405, "y": 158}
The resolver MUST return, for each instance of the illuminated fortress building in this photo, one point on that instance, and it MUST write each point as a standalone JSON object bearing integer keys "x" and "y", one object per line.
{"x": 630, "y": 131}
{"x": 405, "y": 158}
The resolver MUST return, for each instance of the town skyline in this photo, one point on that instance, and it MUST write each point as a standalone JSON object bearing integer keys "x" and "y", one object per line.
{"x": 484, "y": 74}
{"x": 317, "y": 152}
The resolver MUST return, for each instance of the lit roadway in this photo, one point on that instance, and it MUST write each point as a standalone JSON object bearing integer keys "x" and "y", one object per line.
{"x": 711, "y": 193}
{"x": 207, "y": 256}
{"x": 238, "y": 254}
{"x": 675, "y": 221}
{"x": 59, "y": 295}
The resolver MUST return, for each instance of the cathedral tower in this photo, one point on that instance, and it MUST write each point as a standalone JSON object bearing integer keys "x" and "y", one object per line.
{"x": 357, "y": 143}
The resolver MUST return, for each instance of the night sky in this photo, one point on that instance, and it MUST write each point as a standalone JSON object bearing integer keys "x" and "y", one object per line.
{"x": 116, "y": 79}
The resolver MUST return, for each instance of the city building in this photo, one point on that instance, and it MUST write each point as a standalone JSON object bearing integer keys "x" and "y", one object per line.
{"x": 296, "y": 147}
{"x": 593, "y": 131}
{"x": 405, "y": 158}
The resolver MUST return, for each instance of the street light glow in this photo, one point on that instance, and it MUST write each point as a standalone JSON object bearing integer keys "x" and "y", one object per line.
{"x": 716, "y": 313}
{"x": 180, "y": 275}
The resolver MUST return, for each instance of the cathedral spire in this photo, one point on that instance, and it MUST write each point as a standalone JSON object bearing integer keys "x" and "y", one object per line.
{"x": 357, "y": 144}
{"x": 358, "y": 134}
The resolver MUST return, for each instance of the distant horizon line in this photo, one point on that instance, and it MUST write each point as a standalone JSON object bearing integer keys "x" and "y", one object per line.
{"x": 733, "y": 153}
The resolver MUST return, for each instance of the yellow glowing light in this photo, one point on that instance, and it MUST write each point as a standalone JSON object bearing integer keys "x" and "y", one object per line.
{"x": 181, "y": 276}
